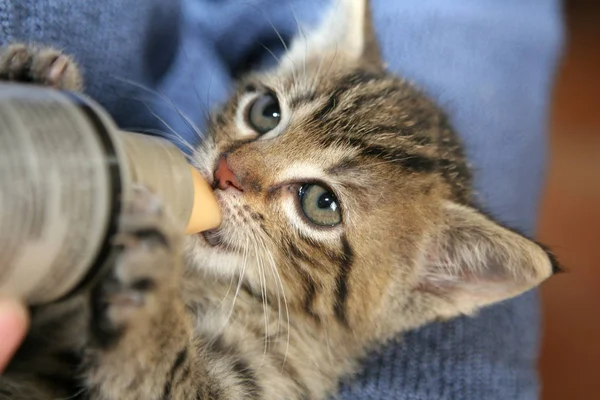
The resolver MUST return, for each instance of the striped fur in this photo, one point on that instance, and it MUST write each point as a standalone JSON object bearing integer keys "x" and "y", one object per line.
{"x": 273, "y": 307}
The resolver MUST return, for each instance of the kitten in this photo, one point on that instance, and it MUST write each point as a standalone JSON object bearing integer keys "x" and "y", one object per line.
{"x": 347, "y": 219}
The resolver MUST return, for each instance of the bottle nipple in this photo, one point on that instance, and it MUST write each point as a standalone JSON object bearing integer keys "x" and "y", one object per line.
{"x": 206, "y": 213}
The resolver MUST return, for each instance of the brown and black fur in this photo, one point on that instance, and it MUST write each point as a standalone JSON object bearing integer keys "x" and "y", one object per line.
{"x": 275, "y": 308}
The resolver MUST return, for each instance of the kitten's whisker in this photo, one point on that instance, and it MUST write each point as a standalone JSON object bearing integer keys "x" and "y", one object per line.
{"x": 283, "y": 43}
{"x": 245, "y": 263}
{"x": 264, "y": 249}
{"x": 167, "y": 100}
{"x": 285, "y": 46}
{"x": 263, "y": 289}
{"x": 237, "y": 292}
{"x": 315, "y": 80}
{"x": 158, "y": 117}
{"x": 301, "y": 34}
{"x": 228, "y": 289}
{"x": 203, "y": 154}
{"x": 191, "y": 124}
{"x": 162, "y": 134}
{"x": 261, "y": 241}
{"x": 285, "y": 302}
{"x": 335, "y": 53}
{"x": 176, "y": 134}
{"x": 205, "y": 108}
{"x": 271, "y": 53}
{"x": 74, "y": 395}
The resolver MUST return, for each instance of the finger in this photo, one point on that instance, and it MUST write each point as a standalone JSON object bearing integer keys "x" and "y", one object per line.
{"x": 14, "y": 321}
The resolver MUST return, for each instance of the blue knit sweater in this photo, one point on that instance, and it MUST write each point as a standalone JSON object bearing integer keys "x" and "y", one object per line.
{"x": 489, "y": 63}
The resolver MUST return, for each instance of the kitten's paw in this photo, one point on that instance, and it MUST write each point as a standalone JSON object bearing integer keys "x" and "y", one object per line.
{"x": 139, "y": 324}
{"x": 145, "y": 275}
{"x": 40, "y": 65}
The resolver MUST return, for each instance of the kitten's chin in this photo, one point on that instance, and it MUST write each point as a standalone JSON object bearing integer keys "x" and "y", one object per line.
{"x": 202, "y": 255}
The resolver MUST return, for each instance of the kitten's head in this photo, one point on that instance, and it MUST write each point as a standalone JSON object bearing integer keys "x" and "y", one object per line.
{"x": 345, "y": 186}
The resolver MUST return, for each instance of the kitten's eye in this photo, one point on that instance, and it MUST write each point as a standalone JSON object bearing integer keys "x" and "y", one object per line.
{"x": 264, "y": 113}
{"x": 319, "y": 205}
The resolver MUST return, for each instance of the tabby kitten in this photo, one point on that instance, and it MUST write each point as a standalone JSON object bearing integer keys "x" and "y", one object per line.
{"x": 347, "y": 219}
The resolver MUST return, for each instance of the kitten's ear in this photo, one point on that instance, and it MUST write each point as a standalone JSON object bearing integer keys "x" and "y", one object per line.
{"x": 344, "y": 34}
{"x": 471, "y": 261}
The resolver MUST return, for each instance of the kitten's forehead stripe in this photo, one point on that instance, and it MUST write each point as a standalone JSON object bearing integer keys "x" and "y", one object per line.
{"x": 361, "y": 76}
{"x": 344, "y": 165}
{"x": 411, "y": 161}
{"x": 327, "y": 108}
{"x": 380, "y": 117}
{"x": 345, "y": 84}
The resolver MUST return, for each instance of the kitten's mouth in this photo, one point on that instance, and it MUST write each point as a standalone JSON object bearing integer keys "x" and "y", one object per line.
{"x": 212, "y": 237}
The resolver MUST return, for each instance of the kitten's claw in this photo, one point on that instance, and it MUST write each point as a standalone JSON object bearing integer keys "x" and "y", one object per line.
{"x": 43, "y": 66}
{"x": 15, "y": 61}
{"x": 57, "y": 69}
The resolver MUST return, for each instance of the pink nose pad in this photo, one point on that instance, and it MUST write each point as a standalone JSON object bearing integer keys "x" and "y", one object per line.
{"x": 225, "y": 177}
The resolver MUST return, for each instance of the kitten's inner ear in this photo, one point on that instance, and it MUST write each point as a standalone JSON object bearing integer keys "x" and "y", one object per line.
{"x": 471, "y": 261}
{"x": 344, "y": 34}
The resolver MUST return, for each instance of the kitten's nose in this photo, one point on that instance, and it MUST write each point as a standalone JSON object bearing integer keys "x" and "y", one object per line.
{"x": 224, "y": 176}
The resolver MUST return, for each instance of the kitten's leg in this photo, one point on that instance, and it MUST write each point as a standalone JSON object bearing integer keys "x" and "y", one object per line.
{"x": 39, "y": 65}
{"x": 142, "y": 345}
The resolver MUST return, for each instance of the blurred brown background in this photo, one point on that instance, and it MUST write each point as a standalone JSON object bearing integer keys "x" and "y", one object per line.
{"x": 570, "y": 223}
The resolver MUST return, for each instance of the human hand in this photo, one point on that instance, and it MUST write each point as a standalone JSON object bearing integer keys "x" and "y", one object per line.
{"x": 14, "y": 321}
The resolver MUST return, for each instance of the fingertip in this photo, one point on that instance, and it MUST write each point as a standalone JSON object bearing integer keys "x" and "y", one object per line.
{"x": 14, "y": 321}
